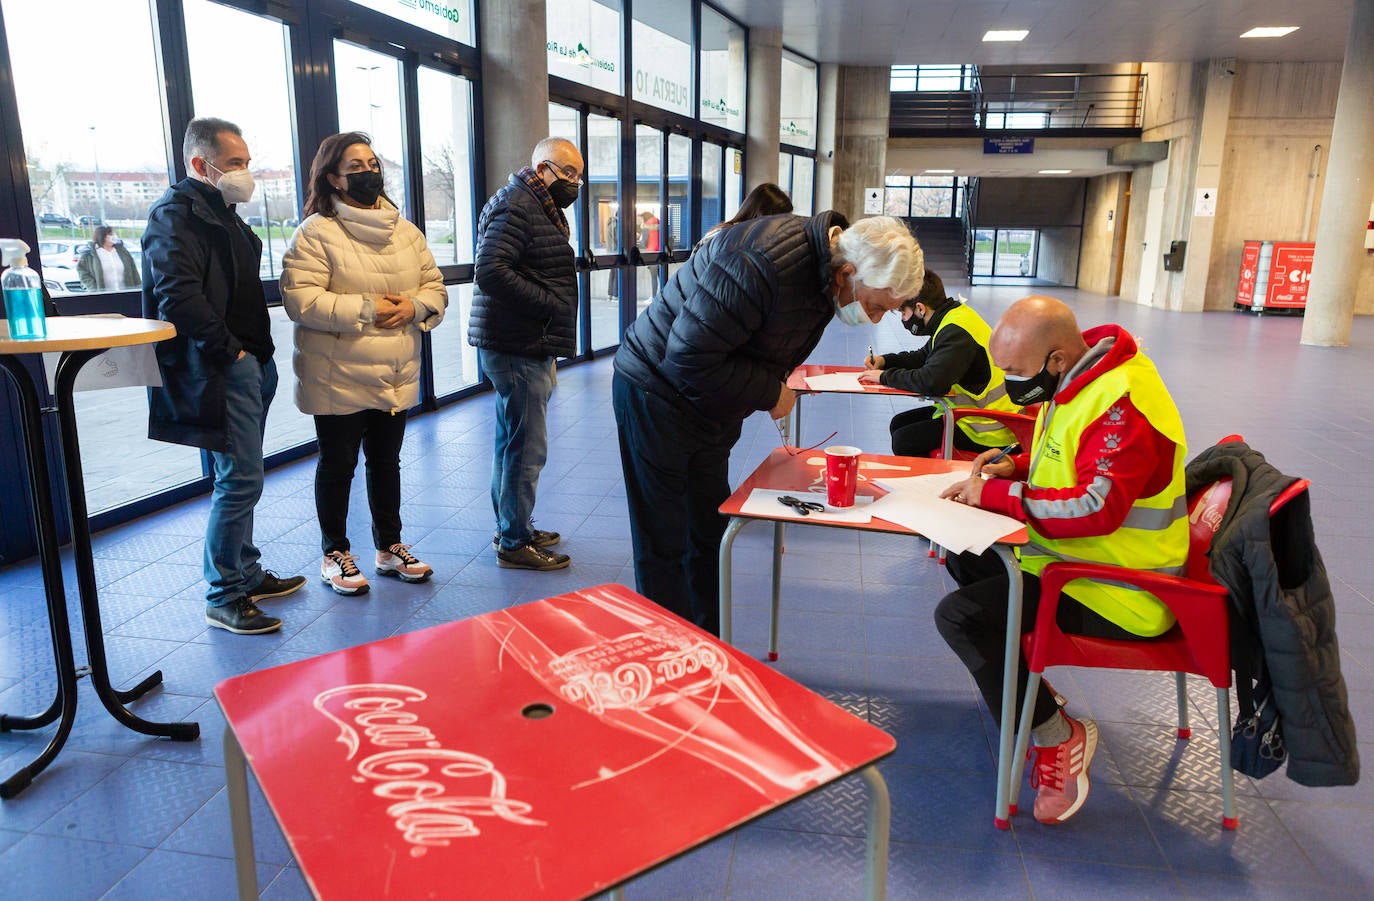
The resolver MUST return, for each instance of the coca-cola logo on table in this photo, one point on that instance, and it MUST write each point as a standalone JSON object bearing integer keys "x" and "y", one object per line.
{"x": 625, "y": 672}
{"x": 433, "y": 797}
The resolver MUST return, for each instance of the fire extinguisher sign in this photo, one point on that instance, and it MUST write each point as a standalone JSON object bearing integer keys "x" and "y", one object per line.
{"x": 1289, "y": 274}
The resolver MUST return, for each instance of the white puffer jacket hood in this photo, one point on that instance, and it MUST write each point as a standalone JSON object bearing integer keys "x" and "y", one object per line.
{"x": 331, "y": 273}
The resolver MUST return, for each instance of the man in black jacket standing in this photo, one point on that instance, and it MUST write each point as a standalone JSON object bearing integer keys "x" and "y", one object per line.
{"x": 716, "y": 345}
{"x": 200, "y": 273}
{"x": 524, "y": 317}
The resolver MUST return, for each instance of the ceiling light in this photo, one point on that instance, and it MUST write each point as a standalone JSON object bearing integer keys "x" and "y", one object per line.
{"x": 939, "y": 172}
{"x": 1267, "y": 31}
{"x": 1055, "y": 171}
{"x": 1011, "y": 35}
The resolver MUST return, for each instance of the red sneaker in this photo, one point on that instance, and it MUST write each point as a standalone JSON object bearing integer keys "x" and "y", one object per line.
{"x": 1061, "y": 773}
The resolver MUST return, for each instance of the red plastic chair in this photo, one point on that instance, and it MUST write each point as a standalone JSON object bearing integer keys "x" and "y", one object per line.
{"x": 1198, "y": 644}
{"x": 1022, "y": 425}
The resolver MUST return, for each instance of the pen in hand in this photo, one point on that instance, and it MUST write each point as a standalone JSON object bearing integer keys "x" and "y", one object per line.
{"x": 1000, "y": 454}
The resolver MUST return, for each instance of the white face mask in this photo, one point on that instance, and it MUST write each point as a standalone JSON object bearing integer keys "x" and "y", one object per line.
{"x": 853, "y": 313}
{"x": 235, "y": 186}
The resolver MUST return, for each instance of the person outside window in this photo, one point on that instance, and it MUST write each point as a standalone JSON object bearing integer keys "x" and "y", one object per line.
{"x": 107, "y": 265}
{"x": 361, "y": 285}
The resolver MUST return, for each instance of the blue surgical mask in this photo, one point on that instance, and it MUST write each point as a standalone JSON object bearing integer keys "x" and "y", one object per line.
{"x": 853, "y": 313}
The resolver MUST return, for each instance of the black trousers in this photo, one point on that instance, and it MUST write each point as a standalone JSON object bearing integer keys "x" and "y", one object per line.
{"x": 379, "y": 433}
{"x": 915, "y": 433}
{"x": 677, "y": 474}
{"x": 973, "y": 622}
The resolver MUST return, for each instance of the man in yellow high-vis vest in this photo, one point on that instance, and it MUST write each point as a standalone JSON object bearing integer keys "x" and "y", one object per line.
{"x": 1104, "y": 484}
{"x": 954, "y": 363}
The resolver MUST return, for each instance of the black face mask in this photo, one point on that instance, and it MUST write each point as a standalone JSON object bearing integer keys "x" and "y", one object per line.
{"x": 563, "y": 192}
{"x": 1036, "y": 388}
{"x": 917, "y": 325}
{"x": 364, "y": 187}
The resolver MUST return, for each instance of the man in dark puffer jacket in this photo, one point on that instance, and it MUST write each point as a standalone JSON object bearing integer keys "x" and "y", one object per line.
{"x": 524, "y": 317}
{"x": 716, "y": 345}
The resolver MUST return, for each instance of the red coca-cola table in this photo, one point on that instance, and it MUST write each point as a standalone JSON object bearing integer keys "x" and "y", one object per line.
{"x": 797, "y": 382}
{"x": 553, "y": 749}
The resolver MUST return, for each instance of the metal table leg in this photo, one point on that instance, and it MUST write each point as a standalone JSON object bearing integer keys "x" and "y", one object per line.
{"x": 114, "y": 700}
{"x": 63, "y": 707}
{"x": 240, "y": 815}
{"x": 779, "y": 531}
{"x": 879, "y": 825}
{"x": 727, "y": 542}
{"x": 1008, "y": 762}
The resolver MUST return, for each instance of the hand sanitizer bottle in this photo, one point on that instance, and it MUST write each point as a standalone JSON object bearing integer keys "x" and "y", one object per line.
{"x": 23, "y": 291}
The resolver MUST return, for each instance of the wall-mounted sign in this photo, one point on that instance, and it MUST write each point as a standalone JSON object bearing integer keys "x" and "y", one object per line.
{"x": 1009, "y": 145}
{"x": 1206, "y": 203}
{"x": 873, "y": 201}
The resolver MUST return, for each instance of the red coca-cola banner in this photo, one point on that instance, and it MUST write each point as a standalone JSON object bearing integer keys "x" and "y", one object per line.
{"x": 1289, "y": 273}
{"x": 1249, "y": 271}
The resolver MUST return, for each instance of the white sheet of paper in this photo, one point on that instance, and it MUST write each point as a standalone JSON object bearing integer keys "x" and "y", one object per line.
{"x": 764, "y": 502}
{"x": 835, "y": 381}
{"x": 118, "y": 367}
{"x": 915, "y": 502}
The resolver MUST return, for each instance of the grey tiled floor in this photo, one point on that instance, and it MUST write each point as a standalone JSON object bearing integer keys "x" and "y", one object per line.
{"x": 124, "y": 816}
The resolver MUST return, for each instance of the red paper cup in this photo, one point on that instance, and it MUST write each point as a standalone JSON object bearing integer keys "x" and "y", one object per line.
{"x": 841, "y": 474}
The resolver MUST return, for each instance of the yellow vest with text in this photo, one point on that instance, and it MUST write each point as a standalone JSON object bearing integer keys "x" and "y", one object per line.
{"x": 980, "y": 430}
{"x": 1154, "y": 535}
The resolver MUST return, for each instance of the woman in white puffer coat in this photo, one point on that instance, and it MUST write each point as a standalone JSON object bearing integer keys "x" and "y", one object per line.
{"x": 361, "y": 285}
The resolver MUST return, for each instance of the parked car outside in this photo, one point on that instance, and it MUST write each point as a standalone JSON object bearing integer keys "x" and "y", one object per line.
{"x": 90, "y": 220}
{"x": 54, "y": 219}
{"x": 61, "y": 280}
{"x": 62, "y": 253}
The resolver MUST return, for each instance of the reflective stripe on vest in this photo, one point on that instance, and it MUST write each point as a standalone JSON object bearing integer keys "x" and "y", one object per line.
{"x": 1154, "y": 535}
{"x": 986, "y": 432}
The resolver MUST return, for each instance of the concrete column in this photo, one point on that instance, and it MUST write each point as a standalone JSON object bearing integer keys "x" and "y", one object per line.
{"x": 1345, "y": 198}
{"x": 763, "y": 115}
{"x": 862, "y": 102}
{"x": 829, "y": 80}
{"x": 515, "y": 84}
{"x": 1188, "y": 290}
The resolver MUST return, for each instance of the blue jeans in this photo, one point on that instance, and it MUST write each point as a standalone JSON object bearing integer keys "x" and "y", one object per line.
{"x": 523, "y": 386}
{"x": 231, "y": 558}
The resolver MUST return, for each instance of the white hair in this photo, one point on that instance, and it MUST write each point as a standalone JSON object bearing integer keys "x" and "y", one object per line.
{"x": 884, "y": 255}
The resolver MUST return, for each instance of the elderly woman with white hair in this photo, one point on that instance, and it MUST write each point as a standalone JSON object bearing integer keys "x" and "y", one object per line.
{"x": 717, "y": 344}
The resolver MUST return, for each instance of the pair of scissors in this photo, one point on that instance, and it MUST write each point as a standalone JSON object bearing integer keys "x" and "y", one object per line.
{"x": 805, "y": 508}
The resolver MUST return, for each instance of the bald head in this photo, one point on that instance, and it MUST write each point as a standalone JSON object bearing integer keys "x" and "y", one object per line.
{"x": 1033, "y": 329}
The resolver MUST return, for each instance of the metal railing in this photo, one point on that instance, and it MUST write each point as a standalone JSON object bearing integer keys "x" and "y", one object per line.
{"x": 1023, "y": 102}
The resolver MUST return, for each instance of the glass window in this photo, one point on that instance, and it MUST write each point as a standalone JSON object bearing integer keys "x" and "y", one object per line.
{"x": 679, "y": 193}
{"x": 603, "y": 301}
{"x": 118, "y": 461}
{"x": 584, "y": 42}
{"x": 369, "y": 85}
{"x": 258, "y": 100}
{"x": 1017, "y": 120}
{"x": 287, "y": 426}
{"x": 711, "y": 208}
{"x": 803, "y": 181}
{"x": 563, "y": 123}
{"x": 450, "y": 18}
{"x": 446, "y": 154}
{"x": 983, "y": 244}
{"x": 723, "y": 68}
{"x": 897, "y": 195}
{"x": 662, "y": 39}
{"x": 455, "y": 360}
{"x": 932, "y": 195}
{"x": 798, "y": 101}
{"x": 785, "y": 172}
{"x": 648, "y": 202}
{"x": 930, "y": 78}
{"x": 734, "y": 181}
{"x": 603, "y": 183}
{"x": 95, "y": 152}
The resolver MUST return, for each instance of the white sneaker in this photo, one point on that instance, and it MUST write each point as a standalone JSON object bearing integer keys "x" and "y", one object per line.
{"x": 398, "y": 562}
{"x": 341, "y": 573}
